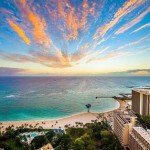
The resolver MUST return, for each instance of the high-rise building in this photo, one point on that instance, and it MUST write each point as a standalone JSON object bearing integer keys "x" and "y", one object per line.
{"x": 139, "y": 139}
{"x": 124, "y": 121}
{"x": 141, "y": 101}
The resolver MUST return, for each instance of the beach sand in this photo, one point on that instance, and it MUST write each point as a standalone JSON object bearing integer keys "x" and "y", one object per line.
{"x": 123, "y": 103}
{"x": 57, "y": 123}
{"x": 60, "y": 123}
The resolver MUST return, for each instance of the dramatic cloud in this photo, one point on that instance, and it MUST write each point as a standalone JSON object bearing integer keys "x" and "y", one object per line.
{"x": 37, "y": 22}
{"x": 4, "y": 71}
{"x": 45, "y": 59}
{"x": 133, "y": 22}
{"x": 71, "y": 20}
{"x": 66, "y": 33}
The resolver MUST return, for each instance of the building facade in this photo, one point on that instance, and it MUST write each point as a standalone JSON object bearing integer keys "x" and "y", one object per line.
{"x": 124, "y": 121}
{"x": 139, "y": 139}
{"x": 141, "y": 101}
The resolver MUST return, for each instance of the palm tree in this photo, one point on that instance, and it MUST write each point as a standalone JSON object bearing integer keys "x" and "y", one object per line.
{"x": 88, "y": 106}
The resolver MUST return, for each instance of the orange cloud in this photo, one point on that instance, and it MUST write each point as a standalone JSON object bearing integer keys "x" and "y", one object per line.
{"x": 63, "y": 58}
{"x": 81, "y": 54}
{"x": 133, "y": 22}
{"x": 70, "y": 19}
{"x": 15, "y": 57}
{"x": 19, "y": 31}
{"x": 37, "y": 22}
{"x": 127, "y": 8}
{"x": 36, "y": 57}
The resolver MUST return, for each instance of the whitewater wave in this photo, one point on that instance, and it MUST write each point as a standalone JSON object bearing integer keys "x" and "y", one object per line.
{"x": 138, "y": 87}
{"x": 54, "y": 93}
{"x": 10, "y": 96}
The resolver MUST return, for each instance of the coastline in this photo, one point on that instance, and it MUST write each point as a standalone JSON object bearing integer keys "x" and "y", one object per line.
{"x": 63, "y": 117}
{"x": 57, "y": 123}
{"x": 123, "y": 103}
{"x": 71, "y": 120}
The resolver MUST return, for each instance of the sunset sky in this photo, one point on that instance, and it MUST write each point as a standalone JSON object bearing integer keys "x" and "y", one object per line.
{"x": 75, "y": 37}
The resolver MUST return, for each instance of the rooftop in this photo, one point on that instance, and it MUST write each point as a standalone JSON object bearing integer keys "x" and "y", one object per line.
{"x": 144, "y": 133}
{"x": 143, "y": 90}
{"x": 126, "y": 95}
{"x": 124, "y": 115}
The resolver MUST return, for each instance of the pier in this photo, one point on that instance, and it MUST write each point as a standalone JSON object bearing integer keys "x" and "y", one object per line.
{"x": 104, "y": 97}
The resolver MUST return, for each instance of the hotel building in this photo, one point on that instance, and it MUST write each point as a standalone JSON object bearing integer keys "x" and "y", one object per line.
{"x": 139, "y": 139}
{"x": 124, "y": 121}
{"x": 141, "y": 101}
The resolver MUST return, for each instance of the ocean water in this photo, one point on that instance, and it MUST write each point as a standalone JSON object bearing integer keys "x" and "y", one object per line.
{"x": 35, "y": 98}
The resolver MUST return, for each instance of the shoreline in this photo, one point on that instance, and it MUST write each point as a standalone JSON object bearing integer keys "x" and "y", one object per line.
{"x": 65, "y": 117}
{"x": 48, "y": 119}
{"x": 57, "y": 123}
{"x": 71, "y": 120}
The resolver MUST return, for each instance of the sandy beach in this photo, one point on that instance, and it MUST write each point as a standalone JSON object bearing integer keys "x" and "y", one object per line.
{"x": 57, "y": 123}
{"x": 84, "y": 118}
{"x": 123, "y": 103}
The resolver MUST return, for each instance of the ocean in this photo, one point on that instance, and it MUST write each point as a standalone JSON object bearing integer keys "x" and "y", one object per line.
{"x": 38, "y": 98}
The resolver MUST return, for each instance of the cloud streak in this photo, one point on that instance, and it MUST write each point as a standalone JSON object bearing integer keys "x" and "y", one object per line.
{"x": 133, "y": 72}
{"x": 126, "y": 9}
{"x": 142, "y": 27}
{"x": 37, "y": 22}
{"x": 81, "y": 54}
{"x": 6, "y": 71}
{"x": 107, "y": 57}
{"x": 19, "y": 31}
{"x": 71, "y": 20}
{"x": 133, "y": 22}
{"x": 49, "y": 60}
{"x": 133, "y": 43}
{"x": 62, "y": 33}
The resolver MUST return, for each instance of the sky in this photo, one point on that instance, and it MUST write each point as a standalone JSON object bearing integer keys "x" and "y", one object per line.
{"x": 75, "y": 37}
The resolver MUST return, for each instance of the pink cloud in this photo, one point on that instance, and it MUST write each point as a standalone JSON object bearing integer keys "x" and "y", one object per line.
{"x": 133, "y": 22}
{"x": 124, "y": 10}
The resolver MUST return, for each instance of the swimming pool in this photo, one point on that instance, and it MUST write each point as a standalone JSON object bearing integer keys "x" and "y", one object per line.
{"x": 33, "y": 135}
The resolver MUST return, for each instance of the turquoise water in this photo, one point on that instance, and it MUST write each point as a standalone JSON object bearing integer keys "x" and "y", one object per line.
{"x": 32, "y": 98}
{"x": 33, "y": 135}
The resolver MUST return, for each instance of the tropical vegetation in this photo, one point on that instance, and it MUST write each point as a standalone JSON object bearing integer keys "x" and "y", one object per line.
{"x": 144, "y": 120}
{"x": 91, "y": 136}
